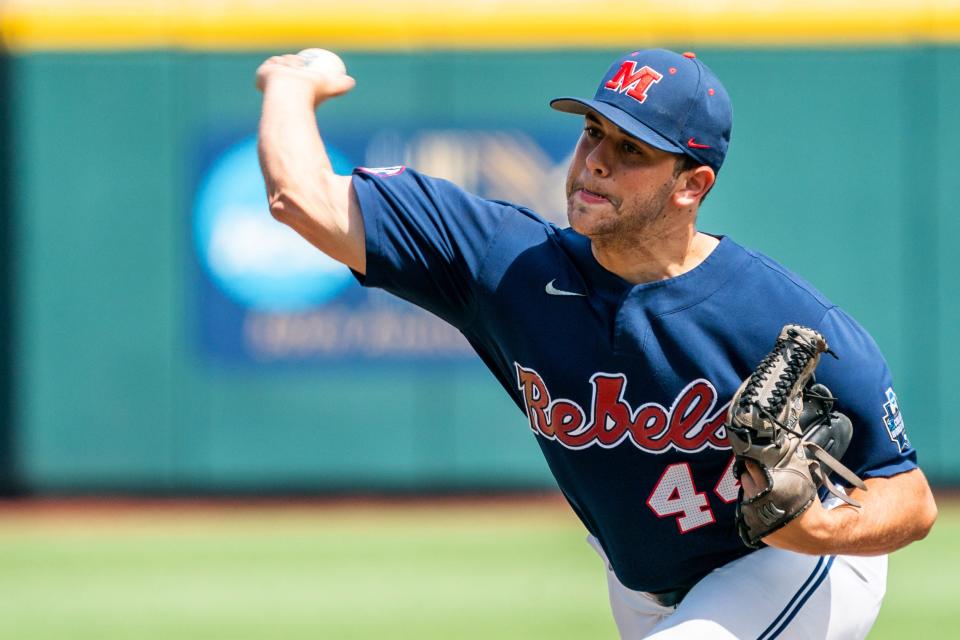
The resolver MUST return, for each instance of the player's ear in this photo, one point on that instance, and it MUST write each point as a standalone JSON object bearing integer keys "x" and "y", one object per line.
{"x": 693, "y": 185}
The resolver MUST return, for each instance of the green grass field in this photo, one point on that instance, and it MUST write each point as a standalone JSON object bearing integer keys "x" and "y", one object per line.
{"x": 466, "y": 570}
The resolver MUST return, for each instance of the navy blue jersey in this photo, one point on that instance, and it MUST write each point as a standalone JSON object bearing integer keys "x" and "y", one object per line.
{"x": 624, "y": 386}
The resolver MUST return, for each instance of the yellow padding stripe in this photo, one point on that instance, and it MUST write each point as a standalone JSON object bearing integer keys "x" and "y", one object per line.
{"x": 480, "y": 24}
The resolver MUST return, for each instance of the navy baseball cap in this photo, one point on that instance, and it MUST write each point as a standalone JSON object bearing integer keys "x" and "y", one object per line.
{"x": 669, "y": 100}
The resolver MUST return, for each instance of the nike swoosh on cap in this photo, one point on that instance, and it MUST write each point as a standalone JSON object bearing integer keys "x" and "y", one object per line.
{"x": 693, "y": 144}
{"x": 553, "y": 291}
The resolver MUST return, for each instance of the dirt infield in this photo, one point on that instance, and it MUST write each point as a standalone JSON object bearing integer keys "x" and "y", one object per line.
{"x": 119, "y": 504}
{"x": 526, "y": 508}
{"x": 106, "y": 504}
{"x": 51, "y": 516}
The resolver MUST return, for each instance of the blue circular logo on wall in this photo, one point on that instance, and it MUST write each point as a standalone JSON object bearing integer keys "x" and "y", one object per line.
{"x": 251, "y": 257}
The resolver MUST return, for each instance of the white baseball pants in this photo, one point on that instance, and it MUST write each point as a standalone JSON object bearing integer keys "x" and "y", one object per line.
{"x": 765, "y": 595}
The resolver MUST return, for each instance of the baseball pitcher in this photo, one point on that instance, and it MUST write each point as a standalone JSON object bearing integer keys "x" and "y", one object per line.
{"x": 729, "y": 437}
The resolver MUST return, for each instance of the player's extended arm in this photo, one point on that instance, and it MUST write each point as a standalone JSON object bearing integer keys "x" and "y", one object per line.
{"x": 896, "y": 511}
{"x": 302, "y": 189}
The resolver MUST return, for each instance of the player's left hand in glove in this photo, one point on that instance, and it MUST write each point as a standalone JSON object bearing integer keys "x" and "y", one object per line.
{"x": 785, "y": 425}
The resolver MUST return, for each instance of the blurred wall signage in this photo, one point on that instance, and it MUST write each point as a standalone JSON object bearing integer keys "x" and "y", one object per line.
{"x": 266, "y": 295}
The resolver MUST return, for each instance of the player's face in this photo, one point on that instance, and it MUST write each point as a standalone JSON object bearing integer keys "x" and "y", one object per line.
{"x": 616, "y": 183}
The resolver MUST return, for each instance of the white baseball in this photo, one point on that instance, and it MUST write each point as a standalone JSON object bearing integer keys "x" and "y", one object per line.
{"x": 323, "y": 60}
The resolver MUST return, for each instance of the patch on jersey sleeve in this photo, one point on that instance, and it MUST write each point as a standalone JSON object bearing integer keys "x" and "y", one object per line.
{"x": 893, "y": 420}
{"x": 383, "y": 172}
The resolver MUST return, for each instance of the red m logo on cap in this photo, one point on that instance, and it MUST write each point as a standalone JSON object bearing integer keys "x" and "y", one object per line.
{"x": 632, "y": 81}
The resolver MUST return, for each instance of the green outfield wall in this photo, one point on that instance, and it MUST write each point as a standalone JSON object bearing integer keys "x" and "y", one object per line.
{"x": 133, "y": 369}
{"x": 8, "y": 457}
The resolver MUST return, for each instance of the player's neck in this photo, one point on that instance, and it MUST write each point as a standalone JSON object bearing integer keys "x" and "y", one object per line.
{"x": 654, "y": 256}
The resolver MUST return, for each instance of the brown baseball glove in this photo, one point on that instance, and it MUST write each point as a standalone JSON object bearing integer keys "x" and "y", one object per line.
{"x": 784, "y": 423}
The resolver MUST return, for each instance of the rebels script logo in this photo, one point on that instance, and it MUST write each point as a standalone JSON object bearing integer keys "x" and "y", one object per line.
{"x": 633, "y": 82}
{"x": 690, "y": 424}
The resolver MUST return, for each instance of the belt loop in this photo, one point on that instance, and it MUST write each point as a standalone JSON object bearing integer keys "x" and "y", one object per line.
{"x": 669, "y": 598}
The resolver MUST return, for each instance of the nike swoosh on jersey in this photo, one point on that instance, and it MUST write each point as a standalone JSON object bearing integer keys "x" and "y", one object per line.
{"x": 553, "y": 291}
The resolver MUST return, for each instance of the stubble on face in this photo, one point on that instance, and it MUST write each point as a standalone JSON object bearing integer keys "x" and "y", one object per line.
{"x": 637, "y": 215}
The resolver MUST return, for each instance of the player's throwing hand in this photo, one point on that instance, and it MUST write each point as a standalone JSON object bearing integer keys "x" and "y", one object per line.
{"x": 318, "y": 72}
